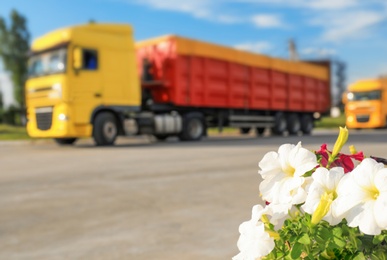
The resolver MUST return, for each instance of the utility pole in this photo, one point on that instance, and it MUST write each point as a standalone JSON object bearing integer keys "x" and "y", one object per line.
{"x": 340, "y": 79}
{"x": 293, "y": 55}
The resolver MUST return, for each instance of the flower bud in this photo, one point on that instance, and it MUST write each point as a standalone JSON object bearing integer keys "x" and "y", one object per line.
{"x": 352, "y": 149}
{"x": 273, "y": 234}
{"x": 341, "y": 140}
{"x": 323, "y": 207}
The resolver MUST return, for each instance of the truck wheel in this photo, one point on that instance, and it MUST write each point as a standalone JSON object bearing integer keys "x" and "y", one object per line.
{"x": 244, "y": 130}
{"x": 105, "y": 129}
{"x": 161, "y": 137}
{"x": 306, "y": 124}
{"x": 193, "y": 127}
{"x": 294, "y": 125}
{"x": 280, "y": 124}
{"x": 65, "y": 141}
{"x": 260, "y": 131}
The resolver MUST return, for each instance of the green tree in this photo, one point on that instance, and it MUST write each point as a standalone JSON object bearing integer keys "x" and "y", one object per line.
{"x": 1, "y": 100}
{"x": 14, "y": 47}
{"x": 1, "y": 107}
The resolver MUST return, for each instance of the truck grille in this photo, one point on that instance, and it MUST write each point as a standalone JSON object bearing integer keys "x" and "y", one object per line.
{"x": 363, "y": 118}
{"x": 43, "y": 117}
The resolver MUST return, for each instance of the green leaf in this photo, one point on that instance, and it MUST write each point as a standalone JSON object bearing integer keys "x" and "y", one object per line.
{"x": 378, "y": 239}
{"x": 339, "y": 242}
{"x": 292, "y": 239}
{"x": 296, "y": 251}
{"x": 359, "y": 256}
{"x": 379, "y": 255}
{"x": 304, "y": 239}
{"x": 322, "y": 237}
{"x": 324, "y": 233}
{"x": 345, "y": 230}
{"x": 337, "y": 231}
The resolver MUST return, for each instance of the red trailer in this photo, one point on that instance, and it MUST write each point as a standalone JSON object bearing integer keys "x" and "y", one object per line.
{"x": 228, "y": 87}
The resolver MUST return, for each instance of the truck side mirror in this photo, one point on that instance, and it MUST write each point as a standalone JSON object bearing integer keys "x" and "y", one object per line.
{"x": 77, "y": 58}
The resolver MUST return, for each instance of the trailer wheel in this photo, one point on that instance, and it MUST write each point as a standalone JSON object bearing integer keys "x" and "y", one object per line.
{"x": 244, "y": 130}
{"x": 161, "y": 137}
{"x": 65, "y": 141}
{"x": 260, "y": 131}
{"x": 294, "y": 124}
{"x": 306, "y": 124}
{"x": 105, "y": 129}
{"x": 193, "y": 127}
{"x": 280, "y": 124}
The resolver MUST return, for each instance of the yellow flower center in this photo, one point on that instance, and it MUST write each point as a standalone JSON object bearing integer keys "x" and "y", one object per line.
{"x": 289, "y": 171}
{"x": 373, "y": 192}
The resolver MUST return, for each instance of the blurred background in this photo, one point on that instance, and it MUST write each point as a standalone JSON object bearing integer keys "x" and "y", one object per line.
{"x": 143, "y": 199}
{"x": 351, "y": 34}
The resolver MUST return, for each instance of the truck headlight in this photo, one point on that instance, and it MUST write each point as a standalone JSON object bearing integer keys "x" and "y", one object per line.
{"x": 56, "y": 91}
{"x": 63, "y": 117}
{"x": 57, "y": 86}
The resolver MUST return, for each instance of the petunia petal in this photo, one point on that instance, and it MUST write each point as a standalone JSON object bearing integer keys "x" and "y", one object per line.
{"x": 367, "y": 223}
{"x": 380, "y": 210}
{"x": 380, "y": 180}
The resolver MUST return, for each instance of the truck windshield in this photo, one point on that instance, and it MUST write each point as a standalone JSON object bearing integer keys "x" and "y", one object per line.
{"x": 46, "y": 63}
{"x": 368, "y": 95}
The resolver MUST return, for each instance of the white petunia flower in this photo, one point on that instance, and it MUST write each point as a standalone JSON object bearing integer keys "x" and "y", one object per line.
{"x": 324, "y": 185}
{"x": 282, "y": 174}
{"x": 279, "y": 213}
{"x": 362, "y": 197}
{"x": 254, "y": 242}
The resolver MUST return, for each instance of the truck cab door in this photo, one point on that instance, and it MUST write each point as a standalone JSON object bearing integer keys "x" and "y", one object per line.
{"x": 86, "y": 89}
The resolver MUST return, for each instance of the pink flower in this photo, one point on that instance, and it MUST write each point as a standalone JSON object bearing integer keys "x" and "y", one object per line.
{"x": 342, "y": 160}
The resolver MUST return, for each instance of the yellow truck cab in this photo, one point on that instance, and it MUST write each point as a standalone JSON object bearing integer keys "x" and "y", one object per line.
{"x": 98, "y": 61}
{"x": 366, "y": 104}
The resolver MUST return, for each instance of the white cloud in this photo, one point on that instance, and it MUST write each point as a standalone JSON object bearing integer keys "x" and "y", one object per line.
{"x": 347, "y": 25}
{"x": 330, "y": 4}
{"x": 267, "y": 21}
{"x": 307, "y": 4}
{"x": 319, "y": 52}
{"x": 337, "y": 20}
{"x": 202, "y": 9}
{"x": 198, "y": 8}
{"x": 259, "y": 47}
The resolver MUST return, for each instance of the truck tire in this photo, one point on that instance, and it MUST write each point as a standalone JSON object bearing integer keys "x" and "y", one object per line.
{"x": 280, "y": 124}
{"x": 306, "y": 124}
{"x": 259, "y": 131}
{"x": 244, "y": 130}
{"x": 161, "y": 137}
{"x": 294, "y": 124}
{"x": 65, "y": 141}
{"x": 105, "y": 129}
{"x": 193, "y": 127}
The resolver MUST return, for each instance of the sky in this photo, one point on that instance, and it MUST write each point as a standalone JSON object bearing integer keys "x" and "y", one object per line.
{"x": 352, "y": 31}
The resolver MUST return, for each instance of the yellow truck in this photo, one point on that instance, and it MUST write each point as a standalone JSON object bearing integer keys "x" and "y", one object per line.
{"x": 93, "y": 80}
{"x": 366, "y": 104}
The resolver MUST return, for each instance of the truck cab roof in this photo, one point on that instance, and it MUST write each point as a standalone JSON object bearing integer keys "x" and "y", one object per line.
{"x": 366, "y": 85}
{"x": 64, "y": 35}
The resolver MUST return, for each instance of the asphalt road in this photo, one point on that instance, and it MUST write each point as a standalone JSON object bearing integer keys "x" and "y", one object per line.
{"x": 140, "y": 199}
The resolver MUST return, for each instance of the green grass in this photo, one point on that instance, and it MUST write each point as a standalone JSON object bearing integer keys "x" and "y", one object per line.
{"x": 330, "y": 122}
{"x": 8, "y": 132}
{"x": 225, "y": 130}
